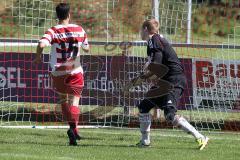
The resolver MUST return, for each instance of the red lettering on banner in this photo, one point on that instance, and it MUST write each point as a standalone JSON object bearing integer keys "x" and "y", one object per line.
{"x": 233, "y": 73}
{"x": 221, "y": 70}
{"x": 204, "y": 74}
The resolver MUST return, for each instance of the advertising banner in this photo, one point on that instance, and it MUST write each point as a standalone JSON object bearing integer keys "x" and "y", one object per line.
{"x": 23, "y": 81}
{"x": 216, "y": 84}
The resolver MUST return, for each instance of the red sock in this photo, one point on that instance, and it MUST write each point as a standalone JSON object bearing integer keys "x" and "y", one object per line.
{"x": 75, "y": 111}
{"x": 71, "y": 114}
{"x": 65, "y": 111}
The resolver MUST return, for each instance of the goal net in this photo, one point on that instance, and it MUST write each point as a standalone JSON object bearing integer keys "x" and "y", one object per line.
{"x": 210, "y": 58}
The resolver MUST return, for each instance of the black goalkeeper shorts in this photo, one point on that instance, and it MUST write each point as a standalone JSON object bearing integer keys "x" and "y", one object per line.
{"x": 168, "y": 102}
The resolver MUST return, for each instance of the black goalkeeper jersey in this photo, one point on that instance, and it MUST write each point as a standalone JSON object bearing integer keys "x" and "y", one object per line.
{"x": 159, "y": 50}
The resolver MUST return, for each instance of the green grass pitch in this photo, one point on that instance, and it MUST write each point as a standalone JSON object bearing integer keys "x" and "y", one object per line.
{"x": 113, "y": 144}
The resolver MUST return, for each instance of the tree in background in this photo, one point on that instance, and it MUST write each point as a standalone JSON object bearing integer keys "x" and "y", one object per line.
{"x": 25, "y": 17}
{"x": 29, "y": 19}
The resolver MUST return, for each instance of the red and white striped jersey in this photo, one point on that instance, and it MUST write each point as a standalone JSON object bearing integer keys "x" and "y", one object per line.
{"x": 65, "y": 41}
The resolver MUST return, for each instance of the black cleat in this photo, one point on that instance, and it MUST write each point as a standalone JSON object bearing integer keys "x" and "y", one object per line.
{"x": 72, "y": 137}
{"x": 78, "y": 137}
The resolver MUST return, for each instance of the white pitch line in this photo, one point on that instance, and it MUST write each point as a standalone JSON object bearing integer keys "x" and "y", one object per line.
{"x": 154, "y": 134}
{"x": 168, "y": 135}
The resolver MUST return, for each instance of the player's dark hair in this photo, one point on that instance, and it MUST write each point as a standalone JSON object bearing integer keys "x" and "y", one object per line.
{"x": 62, "y": 11}
{"x": 152, "y": 25}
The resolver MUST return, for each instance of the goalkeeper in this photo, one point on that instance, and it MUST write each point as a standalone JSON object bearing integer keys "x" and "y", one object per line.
{"x": 66, "y": 40}
{"x": 159, "y": 51}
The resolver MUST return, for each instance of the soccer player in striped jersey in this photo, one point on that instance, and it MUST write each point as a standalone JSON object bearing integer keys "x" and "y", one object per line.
{"x": 66, "y": 40}
{"x": 161, "y": 52}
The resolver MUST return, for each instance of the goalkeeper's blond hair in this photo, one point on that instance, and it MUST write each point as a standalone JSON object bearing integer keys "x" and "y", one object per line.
{"x": 151, "y": 25}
